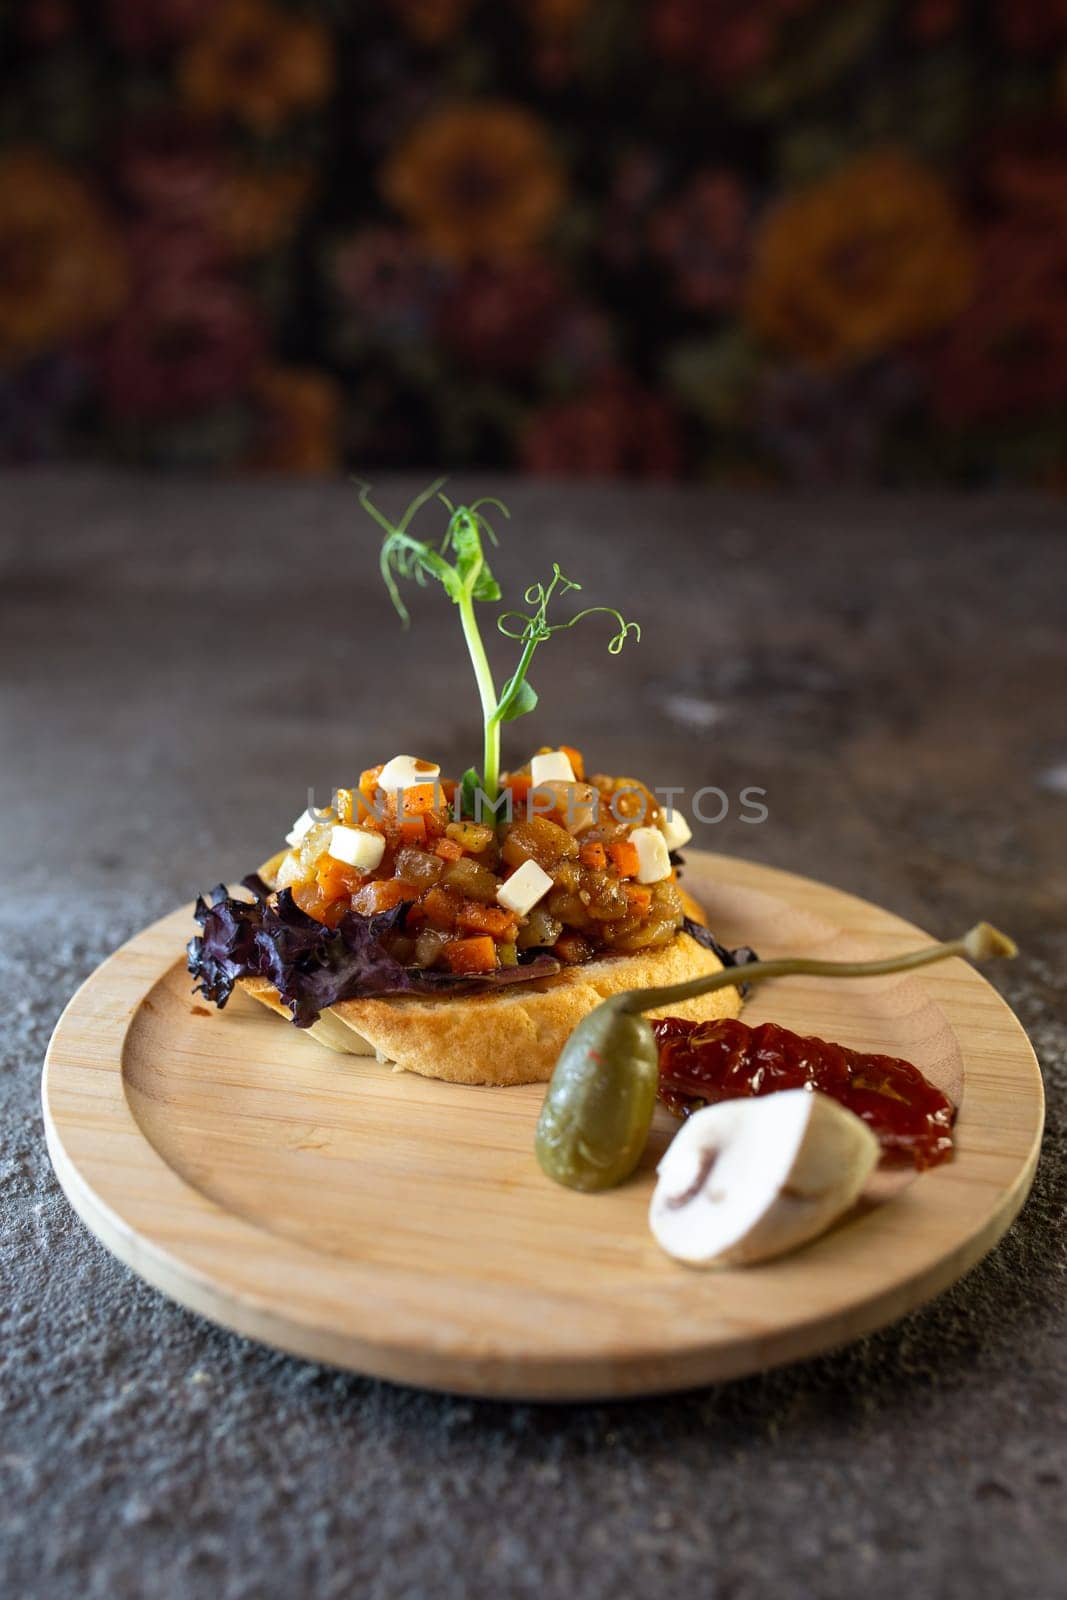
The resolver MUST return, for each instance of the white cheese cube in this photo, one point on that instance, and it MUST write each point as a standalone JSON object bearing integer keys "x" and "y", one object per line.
{"x": 361, "y": 848}
{"x": 554, "y": 767}
{"x": 675, "y": 829}
{"x": 653, "y": 858}
{"x": 403, "y": 772}
{"x": 302, "y": 826}
{"x": 524, "y": 888}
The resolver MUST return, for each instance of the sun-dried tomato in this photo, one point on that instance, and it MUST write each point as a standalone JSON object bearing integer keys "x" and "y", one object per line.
{"x": 703, "y": 1062}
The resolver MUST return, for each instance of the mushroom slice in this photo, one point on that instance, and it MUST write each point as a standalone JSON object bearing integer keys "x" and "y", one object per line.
{"x": 745, "y": 1180}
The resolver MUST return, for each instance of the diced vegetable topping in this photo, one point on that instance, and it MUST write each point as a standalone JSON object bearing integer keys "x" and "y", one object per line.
{"x": 530, "y": 883}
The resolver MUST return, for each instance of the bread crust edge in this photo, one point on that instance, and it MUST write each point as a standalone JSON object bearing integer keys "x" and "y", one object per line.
{"x": 510, "y": 1036}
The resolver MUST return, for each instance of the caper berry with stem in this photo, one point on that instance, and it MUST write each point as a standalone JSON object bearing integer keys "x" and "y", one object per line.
{"x": 594, "y": 1123}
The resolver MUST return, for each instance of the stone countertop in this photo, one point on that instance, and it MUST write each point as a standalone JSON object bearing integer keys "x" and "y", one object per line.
{"x": 178, "y": 662}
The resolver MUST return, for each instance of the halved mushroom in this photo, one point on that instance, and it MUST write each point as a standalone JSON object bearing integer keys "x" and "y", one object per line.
{"x": 749, "y": 1179}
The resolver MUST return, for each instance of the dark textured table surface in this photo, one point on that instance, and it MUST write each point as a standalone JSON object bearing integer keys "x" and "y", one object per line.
{"x": 178, "y": 662}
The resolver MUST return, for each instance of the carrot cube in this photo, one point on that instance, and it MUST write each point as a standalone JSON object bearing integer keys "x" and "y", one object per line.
{"x": 439, "y": 908}
{"x": 639, "y": 898}
{"x": 624, "y": 854}
{"x": 419, "y": 798}
{"x": 382, "y": 895}
{"x": 436, "y": 823}
{"x": 470, "y": 955}
{"x": 368, "y": 781}
{"x": 366, "y": 802}
{"x": 519, "y": 786}
{"x": 493, "y": 920}
{"x": 577, "y": 764}
{"x": 336, "y": 879}
{"x": 593, "y": 855}
{"x": 448, "y": 849}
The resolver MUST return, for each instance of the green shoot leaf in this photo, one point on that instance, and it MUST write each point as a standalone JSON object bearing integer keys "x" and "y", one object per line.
{"x": 516, "y": 701}
{"x": 403, "y": 556}
{"x": 463, "y": 804}
{"x": 463, "y": 540}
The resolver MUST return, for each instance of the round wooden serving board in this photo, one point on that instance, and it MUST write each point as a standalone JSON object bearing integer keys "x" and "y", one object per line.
{"x": 401, "y": 1226}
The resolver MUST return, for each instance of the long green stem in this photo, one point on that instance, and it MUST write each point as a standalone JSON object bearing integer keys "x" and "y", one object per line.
{"x": 980, "y": 943}
{"x": 483, "y": 675}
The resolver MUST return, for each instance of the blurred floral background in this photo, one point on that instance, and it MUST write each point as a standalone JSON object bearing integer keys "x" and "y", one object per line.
{"x": 741, "y": 240}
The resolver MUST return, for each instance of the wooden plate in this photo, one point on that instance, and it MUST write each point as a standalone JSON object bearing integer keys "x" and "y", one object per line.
{"x": 401, "y": 1227}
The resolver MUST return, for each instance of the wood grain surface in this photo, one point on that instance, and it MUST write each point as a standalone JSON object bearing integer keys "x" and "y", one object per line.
{"x": 401, "y": 1227}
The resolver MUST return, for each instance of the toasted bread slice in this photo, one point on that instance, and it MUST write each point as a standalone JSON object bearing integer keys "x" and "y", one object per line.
{"x": 509, "y": 1036}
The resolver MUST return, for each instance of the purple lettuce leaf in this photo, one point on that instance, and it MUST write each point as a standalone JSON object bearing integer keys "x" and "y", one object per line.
{"x": 729, "y": 958}
{"x": 313, "y": 967}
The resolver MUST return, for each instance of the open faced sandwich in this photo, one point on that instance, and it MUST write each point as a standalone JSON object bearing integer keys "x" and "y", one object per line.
{"x": 462, "y": 928}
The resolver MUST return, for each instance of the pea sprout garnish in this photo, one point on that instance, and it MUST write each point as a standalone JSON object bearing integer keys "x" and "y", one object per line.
{"x": 468, "y": 579}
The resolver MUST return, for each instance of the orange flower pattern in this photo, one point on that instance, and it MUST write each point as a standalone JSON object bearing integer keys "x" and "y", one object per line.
{"x": 258, "y": 63}
{"x": 872, "y": 257}
{"x": 476, "y": 181}
{"x": 785, "y": 241}
{"x": 297, "y": 422}
{"x": 62, "y": 266}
